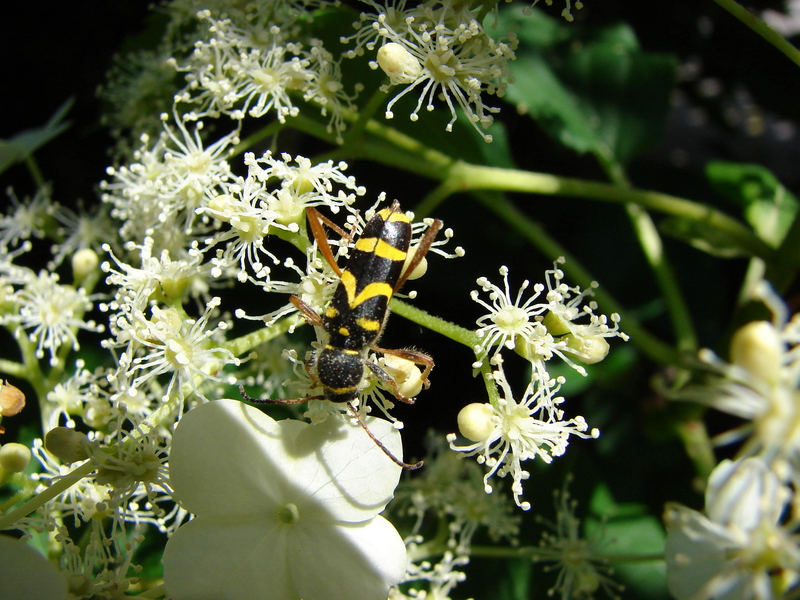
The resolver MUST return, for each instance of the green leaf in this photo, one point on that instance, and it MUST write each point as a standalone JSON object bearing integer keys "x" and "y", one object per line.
{"x": 593, "y": 90}
{"x": 768, "y": 206}
{"x": 628, "y": 532}
{"x": 25, "y": 143}
{"x": 703, "y": 237}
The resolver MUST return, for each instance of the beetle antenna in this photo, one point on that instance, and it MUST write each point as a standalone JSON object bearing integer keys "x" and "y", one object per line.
{"x": 275, "y": 400}
{"x": 397, "y": 461}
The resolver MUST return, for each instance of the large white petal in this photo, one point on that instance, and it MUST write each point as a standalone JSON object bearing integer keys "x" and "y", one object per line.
{"x": 346, "y": 472}
{"x": 697, "y": 552}
{"x": 209, "y": 559}
{"x": 230, "y": 458}
{"x": 24, "y": 573}
{"x": 221, "y": 463}
{"x": 348, "y": 561}
{"x": 745, "y": 493}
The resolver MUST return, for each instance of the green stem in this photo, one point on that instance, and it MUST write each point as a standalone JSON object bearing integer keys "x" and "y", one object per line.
{"x": 475, "y": 177}
{"x": 59, "y": 485}
{"x": 653, "y": 249}
{"x": 539, "y": 238}
{"x": 450, "y": 330}
{"x": 13, "y": 368}
{"x": 245, "y": 343}
{"x": 761, "y": 28}
{"x": 256, "y": 137}
{"x": 364, "y": 115}
{"x": 698, "y": 447}
{"x": 35, "y": 171}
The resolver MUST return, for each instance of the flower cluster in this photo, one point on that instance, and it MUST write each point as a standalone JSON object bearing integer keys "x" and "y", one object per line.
{"x": 556, "y": 320}
{"x": 258, "y": 66}
{"x": 438, "y": 49}
{"x": 746, "y": 538}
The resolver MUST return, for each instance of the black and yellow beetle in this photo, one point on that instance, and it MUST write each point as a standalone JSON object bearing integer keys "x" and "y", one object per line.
{"x": 357, "y": 312}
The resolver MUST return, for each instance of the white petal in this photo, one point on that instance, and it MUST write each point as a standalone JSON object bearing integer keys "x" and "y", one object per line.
{"x": 347, "y": 472}
{"x": 230, "y": 458}
{"x": 218, "y": 461}
{"x": 213, "y": 560}
{"x": 697, "y": 553}
{"x": 346, "y": 562}
{"x": 744, "y": 493}
{"x": 24, "y": 573}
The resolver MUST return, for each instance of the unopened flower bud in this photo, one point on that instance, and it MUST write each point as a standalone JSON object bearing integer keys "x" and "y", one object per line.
{"x": 220, "y": 207}
{"x": 758, "y": 348}
{"x": 398, "y": 63}
{"x": 174, "y": 288}
{"x": 475, "y": 421}
{"x": 405, "y": 373}
{"x": 67, "y": 444}
{"x": 589, "y": 349}
{"x": 420, "y": 269}
{"x": 84, "y": 262}
{"x": 12, "y": 400}
{"x": 14, "y": 458}
{"x": 556, "y": 326}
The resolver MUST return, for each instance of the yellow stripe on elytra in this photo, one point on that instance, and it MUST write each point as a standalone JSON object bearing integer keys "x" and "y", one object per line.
{"x": 345, "y": 350}
{"x": 380, "y": 248}
{"x": 387, "y": 215}
{"x": 331, "y": 312}
{"x": 368, "y": 324}
{"x": 344, "y": 331}
{"x": 341, "y": 390}
{"x": 377, "y": 288}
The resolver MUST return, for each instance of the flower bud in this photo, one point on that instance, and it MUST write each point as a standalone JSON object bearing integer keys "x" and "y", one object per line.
{"x": 420, "y": 269}
{"x": 405, "y": 373}
{"x": 14, "y": 458}
{"x": 555, "y": 324}
{"x": 220, "y": 207}
{"x": 476, "y": 421}
{"x": 587, "y": 349}
{"x": 758, "y": 348}
{"x": 174, "y": 288}
{"x": 84, "y": 262}
{"x": 67, "y": 444}
{"x": 12, "y": 400}
{"x": 398, "y": 63}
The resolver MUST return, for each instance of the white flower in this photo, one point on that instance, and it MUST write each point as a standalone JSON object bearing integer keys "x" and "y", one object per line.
{"x": 739, "y": 549}
{"x": 25, "y": 573}
{"x": 443, "y": 52}
{"x": 508, "y": 317}
{"x": 761, "y": 385}
{"x": 157, "y": 193}
{"x": 51, "y": 312}
{"x": 187, "y": 350}
{"x": 25, "y": 219}
{"x": 284, "y": 509}
{"x": 555, "y": 325}
{"x": 512, "y": 432}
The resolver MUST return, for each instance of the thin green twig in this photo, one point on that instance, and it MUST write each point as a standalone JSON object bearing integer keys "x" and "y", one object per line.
{"x": 761, "y": 28}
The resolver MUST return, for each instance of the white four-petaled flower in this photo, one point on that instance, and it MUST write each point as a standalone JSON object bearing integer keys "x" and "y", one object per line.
{"x": 284, "y": 509}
